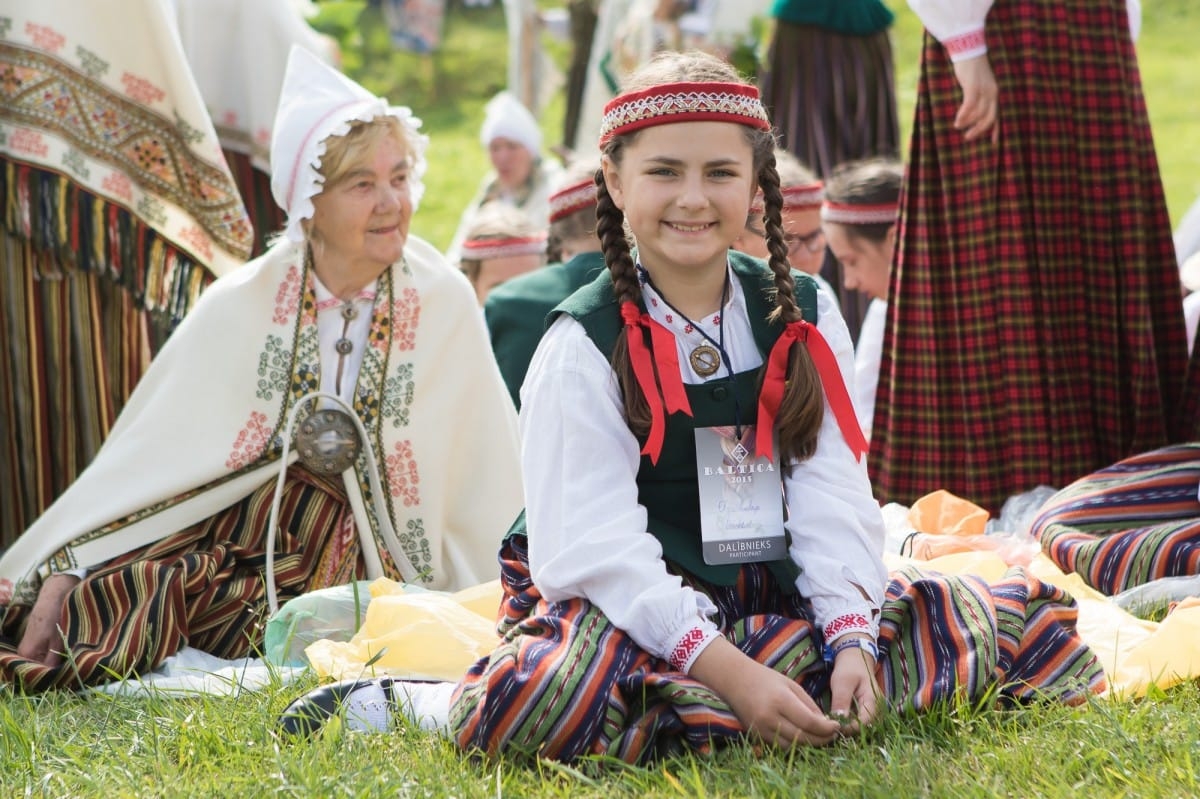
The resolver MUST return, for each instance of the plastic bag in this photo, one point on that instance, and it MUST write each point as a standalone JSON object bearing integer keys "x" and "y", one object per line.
{"x": 427, "y": 635}
{"x": 1157, "y": 595}
{"x": 333, "y": 613}
{"x": 1020, "y": 510}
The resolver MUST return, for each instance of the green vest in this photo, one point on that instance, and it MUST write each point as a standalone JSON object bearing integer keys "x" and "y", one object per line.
{"x": 516, "y": 312}
{"x": 669, "y": 490}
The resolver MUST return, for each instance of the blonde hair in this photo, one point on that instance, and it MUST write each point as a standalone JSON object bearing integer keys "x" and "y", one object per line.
{"x": 495, "y": 221}
{"x": 582, "y": 223}
{"x": 344, "y": 153}
{"x": 791, "y": 171}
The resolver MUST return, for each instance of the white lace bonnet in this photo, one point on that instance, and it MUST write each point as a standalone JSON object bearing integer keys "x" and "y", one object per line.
{"x": 318, "y": 102}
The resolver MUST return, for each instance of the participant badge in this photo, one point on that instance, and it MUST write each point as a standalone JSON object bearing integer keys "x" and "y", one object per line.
{"x": 741, "y": 498}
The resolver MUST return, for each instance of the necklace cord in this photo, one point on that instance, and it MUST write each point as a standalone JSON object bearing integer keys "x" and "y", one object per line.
{"x": 718, "y": 342}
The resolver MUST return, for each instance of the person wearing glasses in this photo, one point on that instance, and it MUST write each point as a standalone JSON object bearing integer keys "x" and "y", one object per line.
{"x": 802, "y": 195}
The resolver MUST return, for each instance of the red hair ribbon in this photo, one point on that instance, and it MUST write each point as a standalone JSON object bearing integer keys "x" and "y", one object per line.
{"x": 672, "y": 397}
{"x": 831, "y": 380}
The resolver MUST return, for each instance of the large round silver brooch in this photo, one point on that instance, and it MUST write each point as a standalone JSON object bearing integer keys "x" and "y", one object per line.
{"x": 328, "y": 442}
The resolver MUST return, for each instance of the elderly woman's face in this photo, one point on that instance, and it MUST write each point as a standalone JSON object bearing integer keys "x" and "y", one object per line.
{"x": 362, "y": 220}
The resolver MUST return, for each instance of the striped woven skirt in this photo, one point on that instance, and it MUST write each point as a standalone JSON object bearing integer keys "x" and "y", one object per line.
{"x": 832, "y": 97}
{"x": 201, "y": 587}
{"x": 1133, "y": 522}
{"x": 1035, "y": 330}
{"x": 565, "y": 683}
{"x": 72, "y": 346}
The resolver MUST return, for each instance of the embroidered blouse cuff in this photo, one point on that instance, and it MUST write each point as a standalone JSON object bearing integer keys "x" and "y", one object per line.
{"x": 857, "y": 623}
{"x": 690, "y": 644}
{"x": 968, "y": 44}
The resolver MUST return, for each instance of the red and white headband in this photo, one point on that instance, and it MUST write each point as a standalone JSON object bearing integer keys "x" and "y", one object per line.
{"x": 486, "y": 249}
{"x": 806, "y": 195}
{"x": 571, "y": 199}
{"x": 851, "y": 214}
{"x": 712, "y": 101}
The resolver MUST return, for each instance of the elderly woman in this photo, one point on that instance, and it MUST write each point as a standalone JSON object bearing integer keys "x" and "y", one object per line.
{"x": 329, "y": 411}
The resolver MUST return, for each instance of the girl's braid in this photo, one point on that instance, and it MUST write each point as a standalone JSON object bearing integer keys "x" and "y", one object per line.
{"x": 785, "y": 286}
{"x": 803, "y": 406}
{"x": 615, "y": 246}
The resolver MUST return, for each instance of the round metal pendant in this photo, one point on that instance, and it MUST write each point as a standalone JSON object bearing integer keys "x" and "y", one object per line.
{"x": 705, "y": 360}
{"x": 328, "y": 442}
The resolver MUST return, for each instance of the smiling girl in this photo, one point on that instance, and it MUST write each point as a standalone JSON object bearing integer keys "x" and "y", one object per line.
{"x": 700, "y": 555}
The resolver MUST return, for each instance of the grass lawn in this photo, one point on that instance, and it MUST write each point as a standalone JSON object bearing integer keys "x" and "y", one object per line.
{"x": 98, "y": 746}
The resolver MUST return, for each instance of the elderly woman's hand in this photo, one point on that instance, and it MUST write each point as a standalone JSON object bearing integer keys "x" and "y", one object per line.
{"x": 41, "y": 641}
{"x": 977, "y": 116}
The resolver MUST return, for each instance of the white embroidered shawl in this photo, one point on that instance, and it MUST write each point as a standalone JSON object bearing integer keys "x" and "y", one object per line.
{"x": 102, "y": 92}
{"x": 202, "y": 429}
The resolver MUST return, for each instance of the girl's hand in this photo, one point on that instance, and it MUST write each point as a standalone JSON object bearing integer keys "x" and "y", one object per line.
{"x": 770, "y": 706}
{"x": 41, "y": 641}
{"x": 977, "y": 115}
{"x": 855, "y": 693}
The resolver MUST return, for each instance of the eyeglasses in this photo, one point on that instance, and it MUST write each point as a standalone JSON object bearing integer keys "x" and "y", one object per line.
{"x": 814, "y": 242}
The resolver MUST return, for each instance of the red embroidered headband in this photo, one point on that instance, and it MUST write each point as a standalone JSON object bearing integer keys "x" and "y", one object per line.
{"x": 573, "y": 198}
{"x": 806, "y": 195}
{"x": 484, "y": 249}
{"x": 849, "y": 214}
{"x": 713, "y": 101}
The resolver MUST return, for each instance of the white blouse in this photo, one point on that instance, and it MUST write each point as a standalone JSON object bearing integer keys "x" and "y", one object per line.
{"x": 868, "y": 357}
{"x": 332, "y": 326}
{"x": 587, "y": 531}
{"x": 958, "y": 24}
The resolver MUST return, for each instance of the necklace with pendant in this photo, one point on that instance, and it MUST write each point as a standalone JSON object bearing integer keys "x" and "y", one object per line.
{"x": 705, "y": 360}
{"x": 327, "y": 440}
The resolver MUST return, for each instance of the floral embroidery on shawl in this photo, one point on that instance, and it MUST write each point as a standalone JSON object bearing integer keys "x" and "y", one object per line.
{"x": 406, "y": 315}
{"x": 104, "y": 125}
{"x": 251, "y": 442}
{"x": 288, "y": 299}
{"x": 385, "y": 389}
{"x": 402, "y": 474}
{"x": 415, "y": 544}
{"x": 398, "y": 395}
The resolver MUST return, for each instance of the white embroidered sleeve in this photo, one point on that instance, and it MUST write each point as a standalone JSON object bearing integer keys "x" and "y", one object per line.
{"x": 957, "y": 24}
{"x": 587, "y": 531}
{"x": 835, "y": 523}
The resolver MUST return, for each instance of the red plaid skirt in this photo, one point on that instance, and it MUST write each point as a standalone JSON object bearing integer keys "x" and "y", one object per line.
{"x": 1035, "y": 331}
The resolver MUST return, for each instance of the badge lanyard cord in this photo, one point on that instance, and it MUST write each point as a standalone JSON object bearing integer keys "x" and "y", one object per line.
{"x": 407, "y": 570}
{"x": 719, "y": 342}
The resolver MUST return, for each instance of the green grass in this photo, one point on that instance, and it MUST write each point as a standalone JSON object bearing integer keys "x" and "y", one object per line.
{"x": 98, "y": 746}
{"x": 63, "y": 745}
